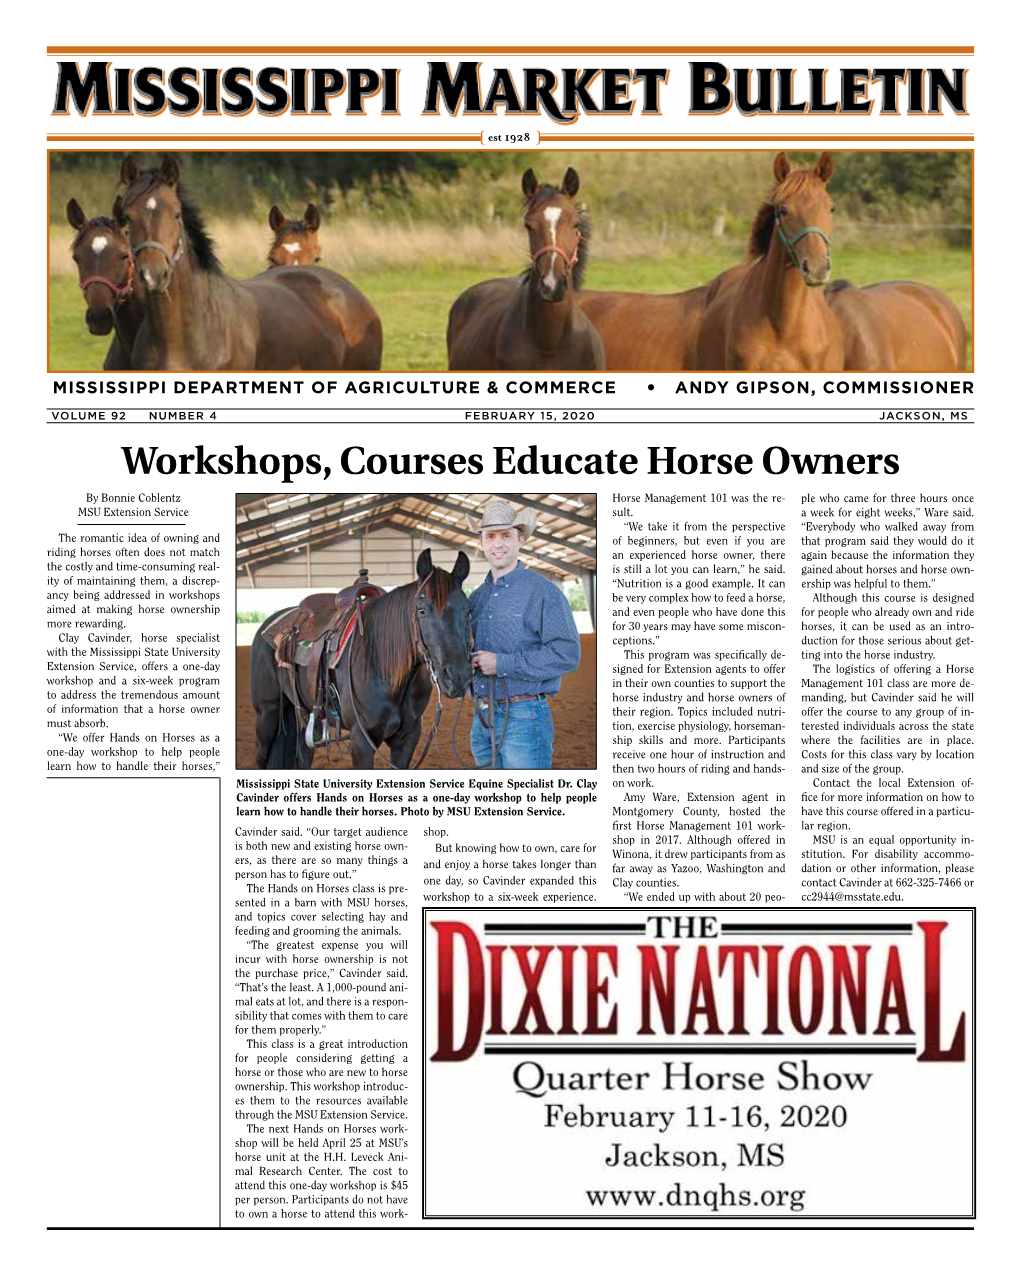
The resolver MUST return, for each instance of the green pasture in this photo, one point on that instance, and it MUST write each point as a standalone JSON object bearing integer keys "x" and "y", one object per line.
{"x": 414, "y": 302}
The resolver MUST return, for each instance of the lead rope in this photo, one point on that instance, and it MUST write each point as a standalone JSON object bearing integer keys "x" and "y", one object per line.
{"x": 489, "y": 725}
{"x": 491, "y": 684}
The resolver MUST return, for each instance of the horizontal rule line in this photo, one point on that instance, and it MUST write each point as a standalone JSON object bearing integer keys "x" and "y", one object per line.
{"x": 831, "y": 138}
{"x": 491, "y": 407}
{"x": 821, "y": 928}
{"x": 618, "y": 1050}
{"x": 195, "y": 140}
{"x": 536, "y": 930}
{"x": 561, "y": 929}
{"x": 59, "y": 50}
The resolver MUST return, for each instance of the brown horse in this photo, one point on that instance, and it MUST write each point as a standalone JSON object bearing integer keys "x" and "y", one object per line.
{"x": 295, "y": 243}
{"x": 898, "y": 327}
{"x": 770, "y": 315}
{"x": 197, "y": 318}
{"x": 102, "y": 253}
{"x": 646, "y": 332}
{"x": 532, "y": 323}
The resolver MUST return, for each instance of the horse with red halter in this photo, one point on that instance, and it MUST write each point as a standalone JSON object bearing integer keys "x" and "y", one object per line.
{"x": 197, "y": 318}
{"x": 770, "y": 314}
{"x": 102, "y": 253}
{"x": 532, "y": 323}
{"x": 295, "y": 243}
{"x": 377, "y": 685}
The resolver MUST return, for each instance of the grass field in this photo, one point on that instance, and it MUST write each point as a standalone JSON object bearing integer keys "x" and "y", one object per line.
{"x": 413, "y": 275}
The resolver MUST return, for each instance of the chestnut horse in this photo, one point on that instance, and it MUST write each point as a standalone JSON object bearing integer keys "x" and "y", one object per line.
{"x": 532, "y": 323}
{"x": 898, "y": 327}
{"x": 102, "y": 253}
{"x": 197, "y": 318}
{"x": 295, "y": 243}
{"x": 647, "y": 332}
{"x": 770, "y": 314}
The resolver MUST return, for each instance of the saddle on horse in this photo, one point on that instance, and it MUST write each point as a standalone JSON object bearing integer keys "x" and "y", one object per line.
{"x": 309, "y": 641}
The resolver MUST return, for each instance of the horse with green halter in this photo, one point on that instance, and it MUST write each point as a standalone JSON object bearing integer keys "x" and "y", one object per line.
{"x": 770, "y": 314}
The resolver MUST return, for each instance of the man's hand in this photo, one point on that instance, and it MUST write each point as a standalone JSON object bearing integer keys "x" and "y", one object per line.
{"x": 485, "y": 662}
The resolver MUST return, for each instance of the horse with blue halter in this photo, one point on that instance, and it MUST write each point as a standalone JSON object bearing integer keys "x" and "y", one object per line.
{"x": 370, "y": 666}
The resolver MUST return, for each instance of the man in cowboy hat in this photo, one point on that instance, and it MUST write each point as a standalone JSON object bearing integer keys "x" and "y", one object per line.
{"x": 525, "y": 638}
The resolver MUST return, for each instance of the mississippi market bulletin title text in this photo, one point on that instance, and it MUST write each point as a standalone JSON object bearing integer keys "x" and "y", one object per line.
{"x": 474, "y": 88}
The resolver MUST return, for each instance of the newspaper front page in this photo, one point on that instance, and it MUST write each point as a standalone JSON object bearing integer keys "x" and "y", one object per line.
{"x": 402, "y": 865}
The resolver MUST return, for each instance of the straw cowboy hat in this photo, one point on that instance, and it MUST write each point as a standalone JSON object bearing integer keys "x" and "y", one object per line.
{"x": 500, "y": 513}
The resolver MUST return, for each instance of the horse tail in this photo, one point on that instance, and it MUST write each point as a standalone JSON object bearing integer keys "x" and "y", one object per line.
{"x": 283, "y": 752}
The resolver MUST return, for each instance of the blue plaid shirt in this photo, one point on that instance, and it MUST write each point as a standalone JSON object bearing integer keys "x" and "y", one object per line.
{"x": 528, "y": 623}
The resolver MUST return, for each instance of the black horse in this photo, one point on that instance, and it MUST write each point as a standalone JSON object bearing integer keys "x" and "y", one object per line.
{"x": 382, "y": 680}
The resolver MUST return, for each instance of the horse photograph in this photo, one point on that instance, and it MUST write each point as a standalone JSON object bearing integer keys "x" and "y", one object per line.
{"x": 368, "y": 649}
{"x": 639, "y": 261}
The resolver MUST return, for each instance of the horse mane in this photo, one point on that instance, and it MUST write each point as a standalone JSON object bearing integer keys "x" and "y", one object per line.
{"x": 388, "y": 638}
{"x": 107, "y": 223}
{"x": 194, "y": 225}
{"x": 540, "y": 196}
{"x": 765, "y": 217}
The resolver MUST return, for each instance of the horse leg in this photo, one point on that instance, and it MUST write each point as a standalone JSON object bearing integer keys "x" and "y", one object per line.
{"x": 402, "y": 746}
{"x": 267, "y": 723}
{"x": 362, "y": 754}
{"x": 283, "y": 753}
{"x": 404, "y": 741}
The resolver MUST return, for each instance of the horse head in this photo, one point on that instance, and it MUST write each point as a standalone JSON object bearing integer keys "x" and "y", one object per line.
{"x": 802, "y": 211}
{"x": 296, "y": 243}
{"x": 443, "y": 623}
{"x": 152, "y": 210}
{"x": 557, "y": 231}
{"x": 102, "y": 253}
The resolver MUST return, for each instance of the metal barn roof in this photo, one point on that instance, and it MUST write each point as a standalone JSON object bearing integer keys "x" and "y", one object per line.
{"x": 273, "y": 527}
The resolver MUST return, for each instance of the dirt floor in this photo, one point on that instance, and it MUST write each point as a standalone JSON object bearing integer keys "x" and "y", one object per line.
{"x": 573, "y": 714}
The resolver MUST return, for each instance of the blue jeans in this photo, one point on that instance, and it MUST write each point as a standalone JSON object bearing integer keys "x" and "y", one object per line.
{"x": 528, "y": 743}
